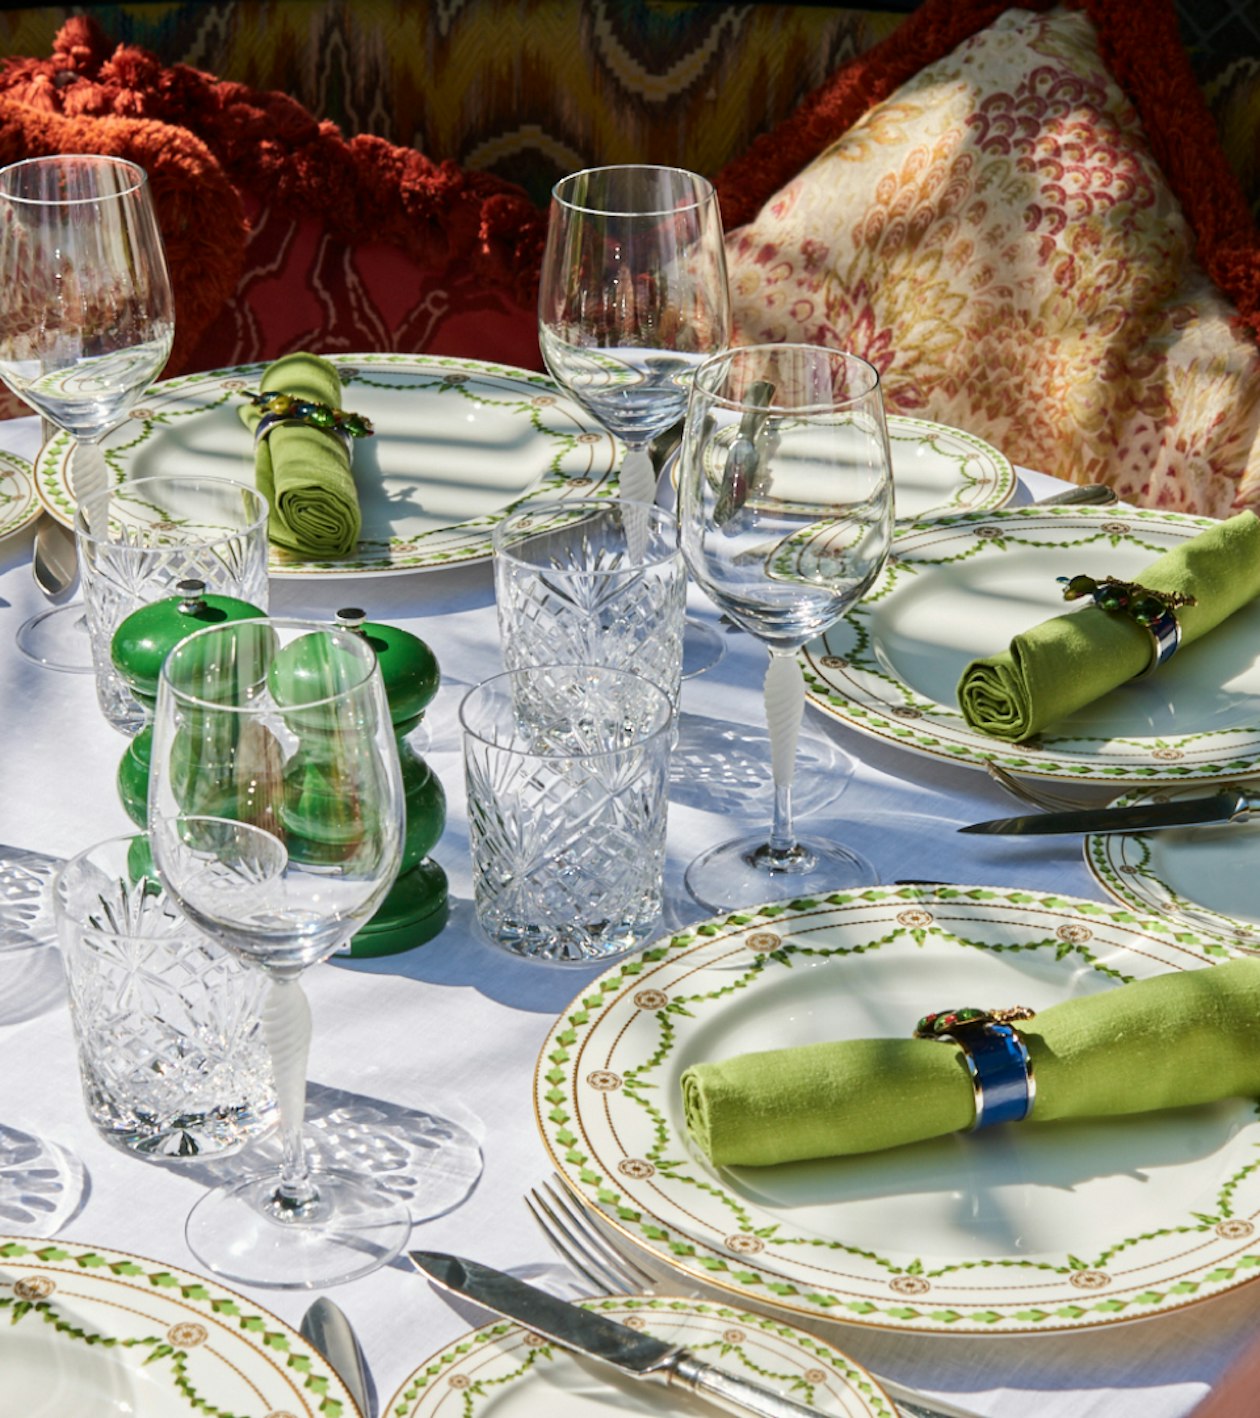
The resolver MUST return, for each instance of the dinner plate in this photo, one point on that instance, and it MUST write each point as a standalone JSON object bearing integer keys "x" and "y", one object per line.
{"x": 1019, "y": 1229}
{"x": 457, "y": 444}
{"x": 19, "y": 506}
{"x": 939, "y": 471}
{"x": 89, "y": 1330}
{"x": 505, "y": 1370}
{"x": 1205, "y": 876}
{"x": 959, "y": 589}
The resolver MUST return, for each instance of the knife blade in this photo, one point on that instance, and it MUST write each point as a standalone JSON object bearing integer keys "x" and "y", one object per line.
{"x": 1230, "y": 806}
{"x": 325, "y": 1327}
{"x": 583, "y": 1331}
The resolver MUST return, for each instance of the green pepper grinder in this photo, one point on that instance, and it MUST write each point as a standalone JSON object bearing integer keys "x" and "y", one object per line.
{"x": 139, "y": 647}
{"x": 417, "y": 907}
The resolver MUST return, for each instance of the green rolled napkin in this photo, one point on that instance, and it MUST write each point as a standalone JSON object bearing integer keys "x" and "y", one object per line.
{"x": 304, "y": 473}
{"x": 1057, "y": 667}
{"x": 1170, "y": 1041}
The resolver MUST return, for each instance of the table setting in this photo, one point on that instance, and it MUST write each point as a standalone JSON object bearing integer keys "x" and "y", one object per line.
{"x": 466, "y": 808}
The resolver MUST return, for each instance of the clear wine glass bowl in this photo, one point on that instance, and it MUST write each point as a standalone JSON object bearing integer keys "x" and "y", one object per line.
{"x": 276, "y": 819}
{"x": 89, "y": 320}
{"x": 785, "y": 518}
{"x": 633, "y": 298}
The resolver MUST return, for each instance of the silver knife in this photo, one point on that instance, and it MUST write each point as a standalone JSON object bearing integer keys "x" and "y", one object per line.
{"x": 326, "y": 1328}
{"x": 1227, "y": 806}
{"x": 632, "y": 1352}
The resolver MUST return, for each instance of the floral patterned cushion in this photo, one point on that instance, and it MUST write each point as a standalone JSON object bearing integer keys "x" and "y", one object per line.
{"x": 998, "y": 237}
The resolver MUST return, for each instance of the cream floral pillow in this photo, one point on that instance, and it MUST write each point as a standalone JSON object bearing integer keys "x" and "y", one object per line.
{"x": 998, "y": 240}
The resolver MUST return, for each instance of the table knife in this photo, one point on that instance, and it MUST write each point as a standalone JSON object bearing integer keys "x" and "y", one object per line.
{"x": 54, "y": 559}
{"x": 584, "y": 1332}
{"x": 325, "y": 1327}
{"x": 1213, "y": 808}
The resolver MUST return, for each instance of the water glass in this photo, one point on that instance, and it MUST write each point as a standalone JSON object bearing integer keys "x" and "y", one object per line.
{"x": 171, "y": 1053}
{"x": 592, "y": 583}
{"x": 567, "y": 769}
{"x": 139, "y": 540}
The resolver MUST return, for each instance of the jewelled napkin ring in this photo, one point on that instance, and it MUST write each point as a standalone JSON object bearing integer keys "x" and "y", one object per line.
{"x": 996, "y": 1056}
{"x": 281, "y": 408}
{"x": 1154, "y": 611}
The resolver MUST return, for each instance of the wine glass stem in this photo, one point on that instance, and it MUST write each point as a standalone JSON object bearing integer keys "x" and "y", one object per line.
{"x": 637, "y": 477}
{"x": 785, "y": 707}
{"x": 287, "y": 1029}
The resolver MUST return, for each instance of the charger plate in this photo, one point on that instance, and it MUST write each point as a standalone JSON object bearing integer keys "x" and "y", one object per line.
{"x": 19, "y": 506}
{"x": 458, "y": 444}
{"x": 1205, "y": 876}
{"x": 1021, "y": 1229}
{"x": 89, "y": 1330}
{"x": 506, "y": 1370}
{"x": 960, "y": 588}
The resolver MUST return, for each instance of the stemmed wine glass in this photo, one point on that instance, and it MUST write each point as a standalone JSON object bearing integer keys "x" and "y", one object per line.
{"x": 276, "y": 821}
{"x": 785, "y": 517}
{"x": 88, "y": 321}
{"x": 633, "y": 298}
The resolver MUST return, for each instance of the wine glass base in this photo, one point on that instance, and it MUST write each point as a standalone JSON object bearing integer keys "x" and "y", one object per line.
{"x": 703, "y": 646}
{"x": 745, "y": 872}
{"x": 58, "y": 639}
{"x": 353, "y": 1229}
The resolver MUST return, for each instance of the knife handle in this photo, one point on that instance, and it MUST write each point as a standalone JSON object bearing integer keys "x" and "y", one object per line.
{"x": 730, "y": 1391}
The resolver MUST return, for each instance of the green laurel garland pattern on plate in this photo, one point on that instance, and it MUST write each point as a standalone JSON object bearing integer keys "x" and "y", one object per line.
{"x": 1022, "y": 1229}
{"x": 19, "y": 506}
{"x": 85, "y": 1329}
{"x": 477, "y": 1372}
{"x": 959, "y": 588}
{"x": 1202, "y": 876}
{"x": 458, "y": 445}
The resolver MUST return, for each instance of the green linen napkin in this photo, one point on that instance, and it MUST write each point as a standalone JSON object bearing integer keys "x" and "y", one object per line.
{"x": 304, "y": 473}
{"x": 1171, "y": 1041}
{"x": 1056, "y": 667}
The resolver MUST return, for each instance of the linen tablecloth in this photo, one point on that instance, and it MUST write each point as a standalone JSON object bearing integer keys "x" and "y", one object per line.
{"x": 455, "y": 1027}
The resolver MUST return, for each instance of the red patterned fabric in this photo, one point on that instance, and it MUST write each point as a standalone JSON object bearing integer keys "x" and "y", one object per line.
{"x": 352, "y": 244}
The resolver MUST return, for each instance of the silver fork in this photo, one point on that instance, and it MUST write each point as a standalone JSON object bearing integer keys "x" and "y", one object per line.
{"x": 588, "y": 1250}
{"x": 1043, "y": 798}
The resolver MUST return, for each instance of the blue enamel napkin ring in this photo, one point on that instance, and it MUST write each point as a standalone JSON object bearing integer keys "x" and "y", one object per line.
{"x": 996, "y": 1057}
{"x": 1154, "y": 611}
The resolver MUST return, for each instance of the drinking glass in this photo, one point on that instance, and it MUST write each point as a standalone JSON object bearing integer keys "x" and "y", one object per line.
{"x": 148, "y": 535}
{"x": 171, "y": 1054}
{"x": 276, "y": 820}
{"x": 88, "y": 322}
{"x": 592, "y": 583}
{"x": 785, "y": 516}
{"x": 567, "y": 768}
{"x": 633, "y": 298}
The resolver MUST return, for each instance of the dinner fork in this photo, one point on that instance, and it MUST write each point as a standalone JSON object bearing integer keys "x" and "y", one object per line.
{"x": 1043, "y": 798}
{"x": 608, "y": 1269}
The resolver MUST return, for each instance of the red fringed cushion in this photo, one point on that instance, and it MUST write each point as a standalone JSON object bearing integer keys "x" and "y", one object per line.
{"x": 1023, "y": 217}
{"x": 354, "y": 243}
{"x": 203, "y": 225}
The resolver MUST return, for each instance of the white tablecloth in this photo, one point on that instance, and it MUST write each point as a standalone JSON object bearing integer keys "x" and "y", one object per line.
{"x": 455, "y": 1027}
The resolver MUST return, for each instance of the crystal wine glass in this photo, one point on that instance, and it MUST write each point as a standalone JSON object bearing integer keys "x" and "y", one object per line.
{"x": 785, "y": 514}
{"x": 633, "y": 298}
{"x": 88, "y": 321}
{"x": 276, "y": 819}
